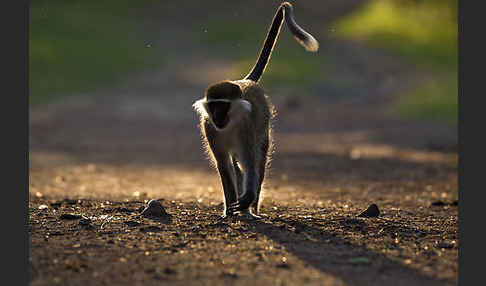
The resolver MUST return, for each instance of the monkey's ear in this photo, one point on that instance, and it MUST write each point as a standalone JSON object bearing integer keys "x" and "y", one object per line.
{"x": 218, "y": 111}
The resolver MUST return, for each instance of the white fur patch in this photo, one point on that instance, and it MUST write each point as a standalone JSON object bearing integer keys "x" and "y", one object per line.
{"x": 238, "y": 109}
{"x": 199, "y": 107}
{"x": 246, "y": 105}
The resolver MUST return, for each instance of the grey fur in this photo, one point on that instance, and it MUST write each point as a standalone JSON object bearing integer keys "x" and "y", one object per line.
{"x": 240, "y": 151}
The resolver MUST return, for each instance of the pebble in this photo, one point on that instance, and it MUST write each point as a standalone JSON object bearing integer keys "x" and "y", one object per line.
{"x": 371, "y": 211}
{"x": 154, "y": 209}
{"x": 150, "y": 228}
{"x": 229, "y": 275}
{"x": 441, "y": 203}
{"x": 438, "y": 203}
{"x": 85, "y": 221}
{"x": 70, "y": 216}
{"x": 132, "y": 223}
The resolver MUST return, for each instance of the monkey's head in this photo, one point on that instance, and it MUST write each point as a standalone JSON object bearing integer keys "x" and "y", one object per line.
{"x": 222, "y": 104}
{"x": 223, "y": 90}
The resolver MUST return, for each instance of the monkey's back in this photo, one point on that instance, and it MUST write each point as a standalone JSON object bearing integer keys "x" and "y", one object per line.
{"x": 263, "y": 110}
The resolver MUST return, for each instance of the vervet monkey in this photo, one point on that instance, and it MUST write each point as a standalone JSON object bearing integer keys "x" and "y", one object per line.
{"x": 236, "y": 123}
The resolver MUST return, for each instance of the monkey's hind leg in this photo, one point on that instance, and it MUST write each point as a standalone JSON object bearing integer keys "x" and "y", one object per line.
{"x": 261, "y": 175}
{"x": 249, "y": 184}
{"x": 239, "y": 180}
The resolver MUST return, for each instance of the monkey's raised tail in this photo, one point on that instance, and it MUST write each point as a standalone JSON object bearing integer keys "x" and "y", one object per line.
{"x": 304, "y": 38}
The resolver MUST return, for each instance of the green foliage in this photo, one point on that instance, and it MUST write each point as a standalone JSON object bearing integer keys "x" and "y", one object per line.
{"x": 290, "y": 63}
{"x": 76, "y": 46}
{"x": 424, "y": 33}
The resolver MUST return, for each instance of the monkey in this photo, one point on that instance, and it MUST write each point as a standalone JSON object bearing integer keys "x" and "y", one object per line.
{"x": 236, "y": 123}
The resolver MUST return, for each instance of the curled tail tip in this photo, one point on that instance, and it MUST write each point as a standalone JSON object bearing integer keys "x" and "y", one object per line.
{"x": 312, "y": 45}
{"x": 304, "y": 38}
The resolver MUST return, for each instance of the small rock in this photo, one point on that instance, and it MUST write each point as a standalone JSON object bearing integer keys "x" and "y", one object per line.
{"x": 371, "y": 211}
{"x": 70, "y": 216}
{"x": 85, "y": 221}
{"x": 132, "y": 223}
{"x": 70, "y": 202}
{"x": 438, "y": 203}
{"x": 43, "y": 207}
{"x": 229, "y": 275}
{"x": 441, "y": 203}
{"x": 151, "y": 228}
{"x": 154, "y": 209}
{"x": 169, "y": 270}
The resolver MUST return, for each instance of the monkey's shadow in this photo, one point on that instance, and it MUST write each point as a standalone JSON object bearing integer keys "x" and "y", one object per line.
{"x": 333, "y": 255}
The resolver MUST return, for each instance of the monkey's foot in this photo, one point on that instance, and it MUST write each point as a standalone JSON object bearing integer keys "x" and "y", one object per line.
{"x": 246, "y": 215}
{"x": 228, "y": 214}
{"x": 243, "y": 203}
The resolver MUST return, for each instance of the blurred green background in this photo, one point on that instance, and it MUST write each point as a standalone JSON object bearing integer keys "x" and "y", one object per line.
{"x": 79, "y": 46}
{"x": 422, "y": 33}
{"x": 289, "y": 63}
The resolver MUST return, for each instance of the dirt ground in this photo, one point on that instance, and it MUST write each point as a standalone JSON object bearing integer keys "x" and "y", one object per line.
{"x": 102, "y": 156}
